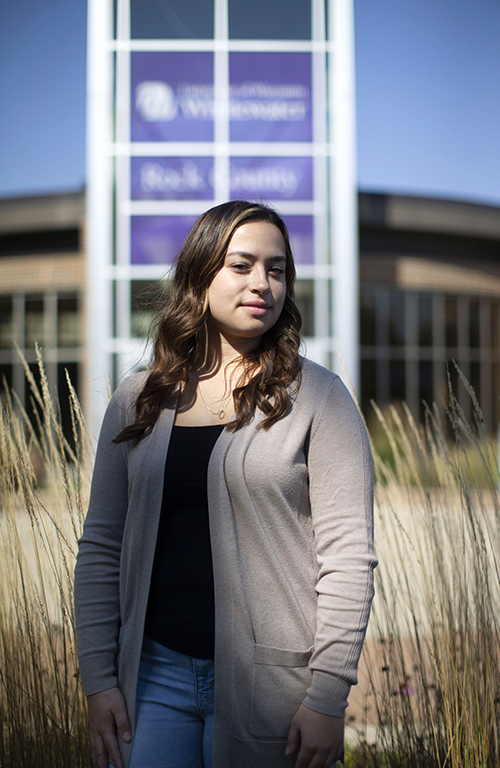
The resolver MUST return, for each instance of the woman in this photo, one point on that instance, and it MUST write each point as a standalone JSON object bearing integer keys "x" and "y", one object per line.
{"x": 230, "y": 522}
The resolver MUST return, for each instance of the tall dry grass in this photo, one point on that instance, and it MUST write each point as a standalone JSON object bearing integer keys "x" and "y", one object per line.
{"x": 432, "y": 680}
{"x": 430, "y": 675}
{"x": 42, "y": 706}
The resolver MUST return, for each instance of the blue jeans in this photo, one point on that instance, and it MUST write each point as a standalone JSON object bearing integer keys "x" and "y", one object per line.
{"x": 174, "y": 710}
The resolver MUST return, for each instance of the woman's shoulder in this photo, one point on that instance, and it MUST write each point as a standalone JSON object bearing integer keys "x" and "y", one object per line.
{"x": 315, "y": 375}
{"x": 321, "y": 387}
{"x": 128, "y": 389}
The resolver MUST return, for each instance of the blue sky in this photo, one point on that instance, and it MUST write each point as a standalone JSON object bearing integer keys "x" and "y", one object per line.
{"x": 428, "y": 97}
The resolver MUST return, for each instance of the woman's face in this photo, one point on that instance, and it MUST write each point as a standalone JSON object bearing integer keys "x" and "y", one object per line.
{"x": 246, "y": 296}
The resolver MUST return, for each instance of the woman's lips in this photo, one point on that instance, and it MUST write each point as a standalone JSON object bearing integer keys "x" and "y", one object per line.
{"x": 257, "y": 310}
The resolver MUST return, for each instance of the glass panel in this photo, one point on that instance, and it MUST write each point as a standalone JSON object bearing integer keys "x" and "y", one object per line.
{"x": 475, "y": 379}
{"x": 6, "y": 322}
{"x": 146, "y": 299}
{"x": 425, "y": 320}
{"x": 270, "y": 96}
{"x": 33, "y": 408}
{"x": 172, "y": 178}
{"x": 367, "y": 320}
{"x": 172, "y": 96}
{"x": 452, "y": 379}
{"x": 304, "y": 298}
{"x": 171, "y": 19}
{"x": 270, "y": 20}
{"x": 5, "y": 378}
{"x": 368, "y": 385}
{"x": 271, "y": 178}
{"x": 495, "y": 325}
{"x": 474, "y": 324}
{"x": 158, "y": 239}
{"x": 397, "y": 373}
{"x": 300, "y": 229}
{"x": 68, "y": 322}
{"x": 64, "y": 397}
{"x": 396, "y": 319}
{"x": 496, "y": 393}
{"x": 450, "y": 311}
{"x": 382, "y": 318}
{"x": 34, "y": 330}
{"x": 426, "y": 389}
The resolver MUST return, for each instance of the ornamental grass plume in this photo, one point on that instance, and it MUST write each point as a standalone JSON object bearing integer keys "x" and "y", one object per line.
{"x": 42, "y": 706}
{"x": 432, "y": 679}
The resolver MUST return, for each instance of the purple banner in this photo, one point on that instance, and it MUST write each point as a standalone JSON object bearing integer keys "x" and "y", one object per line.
{"x": 270, "y": 96}
{"x": 158, "y": 239}
{"x": 172, "y": 96}
{"x": 172, "y": 178}
{"x": 271, "y": 178}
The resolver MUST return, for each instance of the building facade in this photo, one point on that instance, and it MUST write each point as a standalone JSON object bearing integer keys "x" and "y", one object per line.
{"x": 429, "y": 295}
{"x": 43, "y": 293}
{"x": 429, "y": 276}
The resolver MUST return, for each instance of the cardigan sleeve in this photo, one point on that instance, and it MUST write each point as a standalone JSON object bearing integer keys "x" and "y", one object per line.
{"x": 97, "y": 610}
{"x": 341, "y": 498}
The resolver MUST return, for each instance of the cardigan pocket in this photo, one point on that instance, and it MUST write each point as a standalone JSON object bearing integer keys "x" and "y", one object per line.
{"x": 280, "y": 678}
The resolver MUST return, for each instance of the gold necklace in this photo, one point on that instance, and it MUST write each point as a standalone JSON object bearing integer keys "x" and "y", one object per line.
{"x": 220, "y": 413}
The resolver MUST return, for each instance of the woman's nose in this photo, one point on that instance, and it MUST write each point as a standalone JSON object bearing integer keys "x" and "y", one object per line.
{"x": 260, "y": 280}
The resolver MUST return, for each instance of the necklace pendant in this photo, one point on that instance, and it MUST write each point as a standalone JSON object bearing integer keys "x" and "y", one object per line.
{"x": 221, "y": 413}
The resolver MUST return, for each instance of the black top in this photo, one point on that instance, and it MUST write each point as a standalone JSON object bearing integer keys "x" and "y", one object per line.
{"x": 181, "y": 608}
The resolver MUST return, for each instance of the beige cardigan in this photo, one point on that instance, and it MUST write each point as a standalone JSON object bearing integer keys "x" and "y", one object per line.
{"x": 292, "y": 539}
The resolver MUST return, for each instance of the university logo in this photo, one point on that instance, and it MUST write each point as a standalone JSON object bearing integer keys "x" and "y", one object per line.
{"x": 155, "y": 101}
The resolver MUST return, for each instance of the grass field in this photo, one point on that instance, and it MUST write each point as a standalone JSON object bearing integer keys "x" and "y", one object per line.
{"x": 429, "y": 690}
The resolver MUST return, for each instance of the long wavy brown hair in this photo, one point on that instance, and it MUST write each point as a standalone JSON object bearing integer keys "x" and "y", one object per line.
{"x": 269, "y": 372}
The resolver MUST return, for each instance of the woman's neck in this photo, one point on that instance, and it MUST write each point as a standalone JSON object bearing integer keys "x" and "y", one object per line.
{"x": 219, "y": 354}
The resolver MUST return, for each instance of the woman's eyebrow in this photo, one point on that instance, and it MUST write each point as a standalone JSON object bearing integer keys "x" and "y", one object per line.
{"x": 246, "y": 254}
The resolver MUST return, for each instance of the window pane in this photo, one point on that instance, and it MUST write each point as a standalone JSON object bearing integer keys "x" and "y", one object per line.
{"x": 368, "y": 385}
{"x": 474, "y": 324}
{"x": 450, "y": 310}
{"x": 5, "y": 379}
{"x": 397, "y": 375}
{"x": 495, "y": 325}
{"x": 64, "y": 397}
{"x": 68, "y": 322}
{"x": 304, "y": 298}
{"x": 475, "y": 378}
{"x": 6, "y": 322}
{"x": 367, "y": 320}
{"x": 396, "y": 319}
{"x": 34, "y": 330}
{"x": 496, "y": 391}
{"x": 33, "y": 408}
{"x": 270, "y": 20}
{"x": 426, "y": 390}
{"x": 171, "y": 19}
{"x": 425, "y": 320}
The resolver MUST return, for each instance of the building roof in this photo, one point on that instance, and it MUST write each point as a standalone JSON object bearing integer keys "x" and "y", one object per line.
{"x": 430, "y": 215}
{"x": 42, "y": 212}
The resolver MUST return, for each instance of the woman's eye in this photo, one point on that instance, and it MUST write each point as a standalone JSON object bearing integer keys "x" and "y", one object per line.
{"x": 277, "y": 271}
{"x": 240, "y": 267}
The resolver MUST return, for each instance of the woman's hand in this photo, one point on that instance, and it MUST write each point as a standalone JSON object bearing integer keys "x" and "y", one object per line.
{"x": 107, "y": 714}
{"x": 321, "y": 738}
